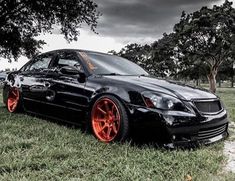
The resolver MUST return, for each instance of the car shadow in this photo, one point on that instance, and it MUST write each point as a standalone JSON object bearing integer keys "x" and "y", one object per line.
{"x": 138, "y": 137}
{"x": 147, "y": 138}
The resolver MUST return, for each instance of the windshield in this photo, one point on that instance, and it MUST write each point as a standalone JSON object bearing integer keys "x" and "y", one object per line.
{"x": 105, "y": 64}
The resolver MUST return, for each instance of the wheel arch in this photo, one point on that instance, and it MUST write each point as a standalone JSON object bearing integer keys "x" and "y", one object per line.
{"x": 96, "y": 97}
{"x": 13, "y": 80}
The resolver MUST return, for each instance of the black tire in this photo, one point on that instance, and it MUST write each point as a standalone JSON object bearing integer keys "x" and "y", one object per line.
{"x": 123, "y": 128}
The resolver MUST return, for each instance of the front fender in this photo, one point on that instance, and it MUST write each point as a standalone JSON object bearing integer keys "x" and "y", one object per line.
{"x": 127, "y": 97}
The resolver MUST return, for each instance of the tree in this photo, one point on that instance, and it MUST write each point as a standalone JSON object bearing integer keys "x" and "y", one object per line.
{"x": 156, "y": 58}
{"x": 226, "y": 71}
{"x": 165, "y": 55}
{"x": 207, "y": 36}
{"x": 196, "y": 71}
{"x": 22, "y": 20}
{"x": 139, "y": 54}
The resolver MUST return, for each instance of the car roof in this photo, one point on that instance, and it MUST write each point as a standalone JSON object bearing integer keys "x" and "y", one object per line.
{"x": 79, "y": 50}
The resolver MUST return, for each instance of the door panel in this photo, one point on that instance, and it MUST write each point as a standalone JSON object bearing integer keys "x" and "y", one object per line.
{"x": 33, "y": 83}
{"x": 66, "y": 91}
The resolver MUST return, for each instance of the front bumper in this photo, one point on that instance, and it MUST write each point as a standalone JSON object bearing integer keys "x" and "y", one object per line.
{"x": 180, "y": 130}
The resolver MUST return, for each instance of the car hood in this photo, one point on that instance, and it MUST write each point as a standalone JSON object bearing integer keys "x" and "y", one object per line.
{"x": 182, "y": 91}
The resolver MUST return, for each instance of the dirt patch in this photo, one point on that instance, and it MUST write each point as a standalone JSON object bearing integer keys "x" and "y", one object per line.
{"x": 229, "y": 152}
{"x": 229, "y": 149}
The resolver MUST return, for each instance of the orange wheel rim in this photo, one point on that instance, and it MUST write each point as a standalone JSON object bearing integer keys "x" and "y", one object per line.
{"x": 105, "y": 120}
{"x": 13, "y": 100}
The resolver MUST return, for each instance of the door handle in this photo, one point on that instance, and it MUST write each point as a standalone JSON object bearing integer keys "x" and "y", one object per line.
{"x": 37, "y": 88}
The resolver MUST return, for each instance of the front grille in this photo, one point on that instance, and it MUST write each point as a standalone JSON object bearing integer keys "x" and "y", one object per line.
{"x": 208, "y": 106}
{"x": 211, "y": 132}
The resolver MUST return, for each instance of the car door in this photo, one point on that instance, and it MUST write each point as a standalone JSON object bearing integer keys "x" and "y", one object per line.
{"x": 33, "y": 83}
{"x": 65, "y": 92}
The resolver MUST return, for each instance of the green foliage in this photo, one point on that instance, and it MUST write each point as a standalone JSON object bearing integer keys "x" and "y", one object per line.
{"x": 36, "y": 149}
{"x": 138, "y": 54}
{"x": 207, "y": 37}
{"x": 228, "y": 97}
{"x": 157, "y": 58}
{"x": 226, "y": 71}
{"x": 164, "y": 55}
{"x": 22, "y": 20}
{"x": 201, "y": 42}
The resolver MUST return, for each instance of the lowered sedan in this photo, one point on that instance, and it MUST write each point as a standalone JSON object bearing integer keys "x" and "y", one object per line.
{"x": 112, "y": 95}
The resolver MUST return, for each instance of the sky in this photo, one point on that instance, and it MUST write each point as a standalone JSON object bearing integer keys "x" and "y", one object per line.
{"x": 123, "y": 22}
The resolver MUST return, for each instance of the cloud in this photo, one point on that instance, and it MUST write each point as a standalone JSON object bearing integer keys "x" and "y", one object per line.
{"x": 86, "y": 40}
{"x": 143, "y": 20}
{"x": 123, "y": 22}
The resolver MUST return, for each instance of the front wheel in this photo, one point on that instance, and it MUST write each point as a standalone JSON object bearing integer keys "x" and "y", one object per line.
{"x": 109, "y": 120}
{"x": 13, "y": 100}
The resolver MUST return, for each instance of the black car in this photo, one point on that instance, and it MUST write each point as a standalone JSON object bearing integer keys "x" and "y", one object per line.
{"x": 112, "y": 96}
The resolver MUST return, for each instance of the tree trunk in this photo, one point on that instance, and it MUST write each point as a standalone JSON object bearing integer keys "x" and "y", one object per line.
{"x": 219, "y": 82}
{"x": 232, "y": 78}
{"x": 197, "y": 82}
{"x": 212, "y": 80}
{"x": 232, "y": 81}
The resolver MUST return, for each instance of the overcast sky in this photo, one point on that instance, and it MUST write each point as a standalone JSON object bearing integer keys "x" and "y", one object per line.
{"x": 123, "y": 22}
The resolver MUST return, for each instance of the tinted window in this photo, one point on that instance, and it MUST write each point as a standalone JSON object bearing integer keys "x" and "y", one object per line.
{"x": 39, "y": 63}
{"x": 107, "y": 64}
{"x": 67, "y": 59}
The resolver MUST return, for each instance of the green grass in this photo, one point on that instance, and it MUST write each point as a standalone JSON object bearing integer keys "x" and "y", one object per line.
{"x": 36, "y": 149}
{"x": 228, "y": 97}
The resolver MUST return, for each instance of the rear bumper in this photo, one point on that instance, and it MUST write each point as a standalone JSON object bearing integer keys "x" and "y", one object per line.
{"x": 179, "y": 130}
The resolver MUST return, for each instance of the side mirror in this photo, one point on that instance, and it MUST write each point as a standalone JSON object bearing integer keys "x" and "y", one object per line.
{"x": 70, "y": 70}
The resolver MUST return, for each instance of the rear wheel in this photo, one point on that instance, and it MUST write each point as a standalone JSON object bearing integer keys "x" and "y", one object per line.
{"x": 109, "y": 120}
{"x": 13, "y": 100}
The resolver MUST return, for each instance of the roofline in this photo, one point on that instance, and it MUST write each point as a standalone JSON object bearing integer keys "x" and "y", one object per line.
{"x": 79, "y": 50}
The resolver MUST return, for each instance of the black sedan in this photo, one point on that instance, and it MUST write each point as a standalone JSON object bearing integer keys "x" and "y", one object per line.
{"x": 112, "y": 95}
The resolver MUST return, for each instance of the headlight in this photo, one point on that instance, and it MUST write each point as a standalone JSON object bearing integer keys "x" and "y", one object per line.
{"x": 163, "y": 101}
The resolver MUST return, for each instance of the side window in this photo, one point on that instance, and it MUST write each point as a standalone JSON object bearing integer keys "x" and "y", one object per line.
{"x": 68, "y": 59}
{"x": 39, "y": 63}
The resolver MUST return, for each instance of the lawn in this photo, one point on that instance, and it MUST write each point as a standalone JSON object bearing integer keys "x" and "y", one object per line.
{"x": 36, "y": 149}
